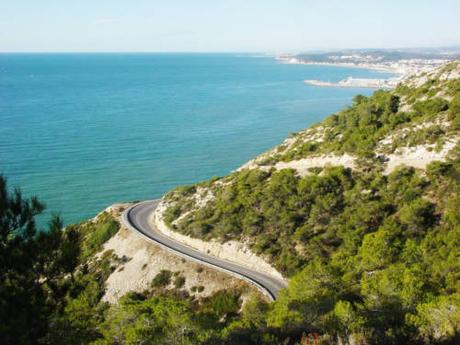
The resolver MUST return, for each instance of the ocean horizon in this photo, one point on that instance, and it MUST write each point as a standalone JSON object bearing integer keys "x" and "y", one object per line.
{"x": 85, "y": 130}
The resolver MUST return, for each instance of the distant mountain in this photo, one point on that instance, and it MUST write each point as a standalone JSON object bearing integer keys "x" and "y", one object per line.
{"x": 382, "y": 55}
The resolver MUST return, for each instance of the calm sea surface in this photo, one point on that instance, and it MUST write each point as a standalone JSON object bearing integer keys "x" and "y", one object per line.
{"x": 83, "y": 131}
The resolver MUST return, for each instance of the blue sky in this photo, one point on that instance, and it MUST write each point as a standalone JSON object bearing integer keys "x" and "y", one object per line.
{"x": 231, "y": 25}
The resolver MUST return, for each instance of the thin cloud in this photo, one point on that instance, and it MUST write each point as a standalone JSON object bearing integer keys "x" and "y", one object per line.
{"x": 104, "y": 20}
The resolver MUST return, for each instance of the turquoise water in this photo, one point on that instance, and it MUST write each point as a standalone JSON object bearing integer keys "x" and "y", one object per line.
{"x": 83, "y": 131}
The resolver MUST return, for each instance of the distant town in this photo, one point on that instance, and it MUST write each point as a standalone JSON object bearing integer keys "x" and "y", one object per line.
{"x": 403, "y": 63}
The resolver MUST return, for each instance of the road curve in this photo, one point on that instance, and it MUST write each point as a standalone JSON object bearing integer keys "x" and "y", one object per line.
{"x": 137, "y": 219}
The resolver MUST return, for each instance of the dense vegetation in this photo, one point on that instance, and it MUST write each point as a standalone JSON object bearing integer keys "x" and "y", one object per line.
{"x": 373, "y": 258}
{"x": 388, "y": 272}
{"x": 31, "y": 267}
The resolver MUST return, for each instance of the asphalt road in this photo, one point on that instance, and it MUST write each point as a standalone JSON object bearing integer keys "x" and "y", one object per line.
{"x": 137, "y": 219}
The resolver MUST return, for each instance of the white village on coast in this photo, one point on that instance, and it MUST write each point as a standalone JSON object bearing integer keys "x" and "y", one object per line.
{"x": 401, "y": 68}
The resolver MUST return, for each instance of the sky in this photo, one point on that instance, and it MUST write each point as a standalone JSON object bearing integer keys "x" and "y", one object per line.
{"x": 271, "y": 26}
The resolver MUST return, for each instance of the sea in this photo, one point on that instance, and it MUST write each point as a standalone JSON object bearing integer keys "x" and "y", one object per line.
{"x": 84, "y": 131}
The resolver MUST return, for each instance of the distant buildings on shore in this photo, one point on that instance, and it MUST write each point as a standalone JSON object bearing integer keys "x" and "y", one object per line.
{"x": 403, "y": 68}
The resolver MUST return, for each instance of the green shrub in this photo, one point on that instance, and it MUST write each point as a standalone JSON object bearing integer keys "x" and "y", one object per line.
{"x": 430, "y": 107}
{"x": 417, "y": 215}
{"x": 179, "y": 282}
{"x": 222, "y": 303}
{"x": 162, "y": 279}
{"x": 95, "y": 234}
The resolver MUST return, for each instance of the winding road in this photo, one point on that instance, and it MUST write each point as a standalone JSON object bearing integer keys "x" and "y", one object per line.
{"x": 137, "y": 218}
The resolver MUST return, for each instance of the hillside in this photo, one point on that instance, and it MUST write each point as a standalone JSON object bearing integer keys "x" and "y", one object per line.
{"x": 136, "y": 263}
{"x": 97, "y": 282}
{"x": 360, "y": 211}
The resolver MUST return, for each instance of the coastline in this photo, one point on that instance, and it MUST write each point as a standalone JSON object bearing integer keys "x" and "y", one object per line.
{"x": 402, "y": 70}
{"x": 351, "y": 82}
{"x": 368, "y": 66}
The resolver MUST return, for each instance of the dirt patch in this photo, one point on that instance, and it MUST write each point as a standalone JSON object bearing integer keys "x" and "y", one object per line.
{"x": 418, "y": 156}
